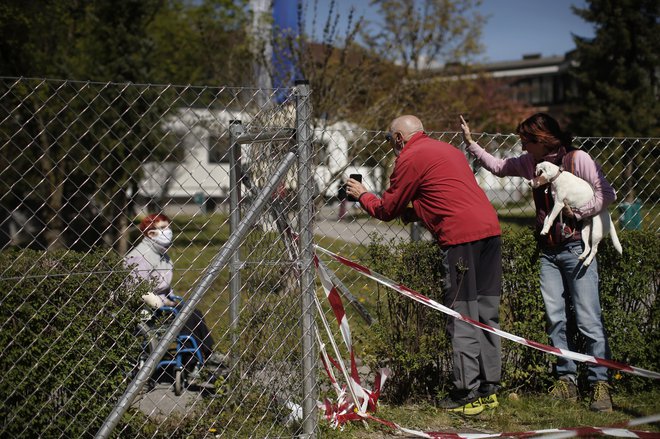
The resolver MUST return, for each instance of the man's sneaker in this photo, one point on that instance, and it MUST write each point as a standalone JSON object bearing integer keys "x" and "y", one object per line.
{"x": 488, "y": 395}
{"x": 601, "y": 401}
{"x": 564, "y": 388}
{"x": 464, "y": 406}
{"x": 490, "y": 401}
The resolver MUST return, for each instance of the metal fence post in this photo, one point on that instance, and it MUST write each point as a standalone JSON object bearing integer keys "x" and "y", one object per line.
{"x": 235, "y": 130}
{"x": 306, "y": 203}
{"x": 204, "y": 284}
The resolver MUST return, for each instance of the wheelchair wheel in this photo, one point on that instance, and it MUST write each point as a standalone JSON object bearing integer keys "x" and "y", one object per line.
{"x": 178, "y": 382}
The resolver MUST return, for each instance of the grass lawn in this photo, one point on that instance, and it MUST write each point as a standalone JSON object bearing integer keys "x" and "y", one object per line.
{"x": 527, "y": 413}
{"x": 198, "y": 239}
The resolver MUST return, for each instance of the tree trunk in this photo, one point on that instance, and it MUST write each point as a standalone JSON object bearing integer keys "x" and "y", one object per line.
{"x": 52, "y": 191}
{"x": 120, "y": 223}
{"x": 629, "y": 163}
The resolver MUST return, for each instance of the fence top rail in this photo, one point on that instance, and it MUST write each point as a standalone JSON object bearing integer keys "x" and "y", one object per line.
{"x": 267, "y": 136}
{"x": 139, "y": 84}
{"x": 479, "y": 135}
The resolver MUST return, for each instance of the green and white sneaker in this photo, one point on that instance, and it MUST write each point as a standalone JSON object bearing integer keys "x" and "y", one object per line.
{"x": 488, "y": 394}
{"x": 463, "y": 406}
{"x": 490, "y": 401}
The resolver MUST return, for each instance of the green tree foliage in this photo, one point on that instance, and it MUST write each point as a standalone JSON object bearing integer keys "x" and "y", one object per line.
{"x": 65, "y": 136}
{"x": 617, "y": 72}
{"x": 100, "y": 40}
{"x": 70, "y": 145}
{"x": 426, "y": 48}
{"x": 417, "y": 34}
{"x": 203, "y": 43}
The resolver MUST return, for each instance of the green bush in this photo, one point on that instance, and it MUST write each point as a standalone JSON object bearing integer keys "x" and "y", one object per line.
{"x": 67, "y": 341}
{"x": 631, "y": 310}
{"x": 410, "y": 338}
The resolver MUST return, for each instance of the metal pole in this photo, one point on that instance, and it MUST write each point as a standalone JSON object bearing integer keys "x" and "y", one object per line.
{"x": 306, "y": 203}
{"x": 211, "y": 273}
{"x": 281, "y": 134}
{"x": 415, "y": 232}
{"x": 235, "y": 130}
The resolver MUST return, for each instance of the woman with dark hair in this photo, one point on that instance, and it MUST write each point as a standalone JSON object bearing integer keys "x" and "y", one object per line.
{"x": 150, "y": 262}
{"x": 565, "y": 282}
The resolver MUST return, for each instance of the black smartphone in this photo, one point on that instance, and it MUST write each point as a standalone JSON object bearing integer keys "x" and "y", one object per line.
{"x": 357, "y": 177}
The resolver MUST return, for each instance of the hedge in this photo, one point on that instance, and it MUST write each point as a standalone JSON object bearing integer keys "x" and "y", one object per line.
{"x": 68, "y": 348}
{"x": 411, "y": 339}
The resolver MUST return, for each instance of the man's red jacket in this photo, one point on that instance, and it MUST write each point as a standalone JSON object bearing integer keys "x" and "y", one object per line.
{"x": 437, "y": 179}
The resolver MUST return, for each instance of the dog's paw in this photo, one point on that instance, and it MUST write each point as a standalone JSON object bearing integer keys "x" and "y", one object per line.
{"x": 544, "y": 232}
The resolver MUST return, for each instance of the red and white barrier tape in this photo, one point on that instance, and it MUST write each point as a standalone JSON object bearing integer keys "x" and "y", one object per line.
{"x": 552, "y": 433}
{"x": 361, "y": 399}
{"x": 435, "y": 305}
{"x": 333, "y": 297}
{"x": 345, "y": 410}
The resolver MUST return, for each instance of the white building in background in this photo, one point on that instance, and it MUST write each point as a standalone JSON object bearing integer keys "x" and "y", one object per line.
{"x": 501, "y": 190}
{"x": 202, "y": 140}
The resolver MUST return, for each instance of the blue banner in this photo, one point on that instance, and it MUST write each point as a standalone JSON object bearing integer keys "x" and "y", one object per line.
{"x": 286, "y": 35}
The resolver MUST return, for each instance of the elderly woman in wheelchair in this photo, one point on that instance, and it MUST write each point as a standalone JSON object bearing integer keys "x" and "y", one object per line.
{"x": 150, "y": 262}
{"x": 183, "y": 360}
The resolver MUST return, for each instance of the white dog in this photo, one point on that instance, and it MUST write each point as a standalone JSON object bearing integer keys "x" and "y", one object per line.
{"x": 569, "y": 190}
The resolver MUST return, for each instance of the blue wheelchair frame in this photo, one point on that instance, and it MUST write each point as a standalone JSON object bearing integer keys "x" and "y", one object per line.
{"x": 182, "y": 341}
{"x": 187, "y": 347}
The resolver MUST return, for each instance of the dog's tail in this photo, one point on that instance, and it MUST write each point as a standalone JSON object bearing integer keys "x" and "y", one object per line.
{"x": 615, "y": 239}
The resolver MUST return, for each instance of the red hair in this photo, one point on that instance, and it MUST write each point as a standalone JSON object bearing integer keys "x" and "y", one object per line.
{"x": 149, "y": 221}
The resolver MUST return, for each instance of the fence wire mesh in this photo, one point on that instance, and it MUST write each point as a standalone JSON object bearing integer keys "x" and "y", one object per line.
{"x": 83, "y": 163}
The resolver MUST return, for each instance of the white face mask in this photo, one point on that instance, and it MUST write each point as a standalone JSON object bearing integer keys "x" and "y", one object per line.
{"x": 163, "y": 237}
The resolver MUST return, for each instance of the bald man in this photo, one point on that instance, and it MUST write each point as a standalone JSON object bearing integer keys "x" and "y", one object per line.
{"x": 437, "y": 179}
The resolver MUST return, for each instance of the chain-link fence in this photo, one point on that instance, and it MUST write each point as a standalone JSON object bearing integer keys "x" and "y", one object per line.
{"x": 248, "y": 185}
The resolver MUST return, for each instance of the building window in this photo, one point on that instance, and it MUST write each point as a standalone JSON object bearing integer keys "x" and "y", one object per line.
{"x": 547, "y": 90}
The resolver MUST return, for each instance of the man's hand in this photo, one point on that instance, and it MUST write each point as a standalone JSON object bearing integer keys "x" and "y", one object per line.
{"x": 467, "y": 136}
{"x": 354, "y": 188}
{"x": 409, "y": 216}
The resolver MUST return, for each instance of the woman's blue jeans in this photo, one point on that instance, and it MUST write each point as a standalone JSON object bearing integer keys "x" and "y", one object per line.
{"x": 565, "y": 281}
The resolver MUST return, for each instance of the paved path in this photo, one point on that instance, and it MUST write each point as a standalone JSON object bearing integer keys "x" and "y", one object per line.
{"x": 356, "y": 228}
{"x": 162, "y": 402}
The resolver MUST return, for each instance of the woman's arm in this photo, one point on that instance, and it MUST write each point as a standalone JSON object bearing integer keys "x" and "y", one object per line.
{"x": 522, "y": 166}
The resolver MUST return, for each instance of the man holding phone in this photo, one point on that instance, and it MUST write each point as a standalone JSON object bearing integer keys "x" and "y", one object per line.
{"x": 358, "y": 178}
{"x": 437, "y": 179}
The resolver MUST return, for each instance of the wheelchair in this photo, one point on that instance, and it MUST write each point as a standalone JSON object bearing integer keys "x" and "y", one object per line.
{"x": 183, "y": 360}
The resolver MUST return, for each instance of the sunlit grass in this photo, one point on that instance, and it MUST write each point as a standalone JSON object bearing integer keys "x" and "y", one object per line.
{"x": 198, "y": 242}
{"x": 527, "y": 413}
